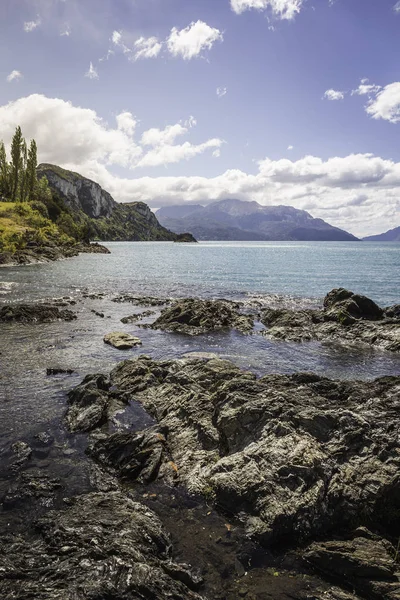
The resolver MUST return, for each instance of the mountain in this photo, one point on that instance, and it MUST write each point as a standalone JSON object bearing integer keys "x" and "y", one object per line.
{"x": 88, "y": 205}
{"x": 393, "y": 235}
{"x": 238, "y": 220}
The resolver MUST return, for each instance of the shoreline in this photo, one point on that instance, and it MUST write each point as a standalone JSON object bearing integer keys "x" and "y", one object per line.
{"x": 142, "y": 451}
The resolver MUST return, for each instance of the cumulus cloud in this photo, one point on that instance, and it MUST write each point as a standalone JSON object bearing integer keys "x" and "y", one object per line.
{"x": 221, "y": 91}
{"x": 281, "y": 9}
{"x": 190, "y": 42}
{"x": 14, "y": 76}
{"x": 333, "y": 95}
{"x": 78, "y": 137}
{"x": 92, "y": 73}
{"x": 31, "y": 25}
{"x": 386, "y": 104}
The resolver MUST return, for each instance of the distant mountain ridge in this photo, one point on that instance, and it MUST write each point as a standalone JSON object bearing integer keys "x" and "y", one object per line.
{"x": 234, "y": 219}
{"x": 393, "y": 235}
{"x": 91, "y": 206}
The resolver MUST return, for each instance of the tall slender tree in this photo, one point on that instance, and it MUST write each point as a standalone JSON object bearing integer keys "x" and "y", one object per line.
{"x": 23, "y": 172}
{"x": 31, "y": 177}
{"x": 16, "y": 162}
{"x": 4, "y": 172}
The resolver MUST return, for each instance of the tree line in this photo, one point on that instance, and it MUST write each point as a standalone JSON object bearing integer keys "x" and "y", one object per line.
{"x": 18, "y": 179}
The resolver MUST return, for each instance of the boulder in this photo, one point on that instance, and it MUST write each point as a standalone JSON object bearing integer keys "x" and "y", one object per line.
{"x": 342, "y": 304}
{"x": 122, "y": 340}
{"x": 88, "y": 404}
{"x": 192, "y": 316}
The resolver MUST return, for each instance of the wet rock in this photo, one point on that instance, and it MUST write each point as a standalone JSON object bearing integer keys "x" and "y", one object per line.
{"x": 135, "y": 456}
{"x": 138, "y": 316}
{"x": 393, "y": 312}
{"x": 34, "y": 313}
{"x": 121, "y": 340}
{"x": 98, "y": 314}
{"x": 346, "y": 318}
{"x": 31, "y": 485}
{"x": 192, "y": 316}
{"x": 89, "y": 403}
{"x": 294, "y": 456}
{"x": 44, "y": 439}
{"x": 365, "y": 564}
{"x": 141, "y": 300}
{"x": 21, "y": 454}
{"x": 104, "y": 545}
{"x": 58, "y": 371}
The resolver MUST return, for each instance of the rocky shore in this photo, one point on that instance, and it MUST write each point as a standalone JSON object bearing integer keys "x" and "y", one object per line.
{"x": 206, "y": 480}
{"x": 41, "y": 254}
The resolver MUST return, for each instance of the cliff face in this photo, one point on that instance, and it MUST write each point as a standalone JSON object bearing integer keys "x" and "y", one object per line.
{"x": 107, "y": 220}
{"x": 79, "y": 193}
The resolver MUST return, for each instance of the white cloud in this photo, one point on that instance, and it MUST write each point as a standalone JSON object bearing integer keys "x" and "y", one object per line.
{"x": 126, "y": 122}
{"x": 333, "y": 95}
{"x": 147, "y": 48}
{"x": 290, "y": 147}
{"x": 221, "y": 91}
{"x": 76, "y": 137}
{"x": 366, "y": 88}
{"x": 216, "y": 153}
{"x": 191, "y": 41}
{"x": 14, "y": 76}
{"x": 386, "y": 104}
{"x": 31, "y": 25}
{"x": 92, "y": 73}
{"x": 396, "y": 7}
{"x": 281, "y": 9}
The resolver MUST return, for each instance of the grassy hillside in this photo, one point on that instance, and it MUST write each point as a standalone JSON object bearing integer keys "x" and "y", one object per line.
{"x": 24, "y": 224}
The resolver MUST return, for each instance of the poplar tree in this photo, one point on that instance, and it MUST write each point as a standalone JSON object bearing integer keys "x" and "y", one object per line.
{"x": 16, "y": 162}
{"x": 31, "y": 178}
{"x": 4, "y": 172}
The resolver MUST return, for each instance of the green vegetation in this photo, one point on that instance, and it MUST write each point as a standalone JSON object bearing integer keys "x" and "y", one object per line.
{"x": 28, "y": 213}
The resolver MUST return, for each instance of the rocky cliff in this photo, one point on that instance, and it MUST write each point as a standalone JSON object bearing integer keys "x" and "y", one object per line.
{"x": 91, "y": 206}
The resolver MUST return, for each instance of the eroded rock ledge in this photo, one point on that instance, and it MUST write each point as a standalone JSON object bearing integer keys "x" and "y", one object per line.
{"x": 346, "y": 318}
{"x": 294, "y": 458}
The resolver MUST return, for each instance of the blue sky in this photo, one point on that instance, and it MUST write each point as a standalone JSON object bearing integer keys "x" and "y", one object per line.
{"x": 167, "y": 101}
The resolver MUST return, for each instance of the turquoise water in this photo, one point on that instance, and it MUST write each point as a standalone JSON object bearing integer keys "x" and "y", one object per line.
{"x": 216, "y": 269}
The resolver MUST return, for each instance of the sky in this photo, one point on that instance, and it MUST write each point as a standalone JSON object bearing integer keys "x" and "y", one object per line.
{"x": 293, "y": 102}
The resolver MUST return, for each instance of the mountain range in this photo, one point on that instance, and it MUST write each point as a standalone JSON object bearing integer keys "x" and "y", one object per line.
{"x": 239, "y": 220}
{"x": 393, "y": 235}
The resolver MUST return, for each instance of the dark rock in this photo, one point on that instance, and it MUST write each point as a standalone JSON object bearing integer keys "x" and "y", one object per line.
{"x": 194, "y": 317}
{"x": 89, "y": 403}
{"x": 393, "y": 312}
{"x": 43, "y": 438}
{"x": 365, "y": 564}
{"x": 104, "y": 545}
{"x": 136, "y": 456}
{"x": 93, "y": 248}
{"x": 59, "y": 371}
{"x": 347, "y": 318}
{"x": 98, "y": 314}
{"x": 295, "y": 456}
{"x": 22, "y": 452}
{"x": 34, "y": 313}
{"x": 340, "y": 303}
{"x": 30, "y": 485}
{"x": 140, "y": 300}
{"x": 138, "y": 316}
